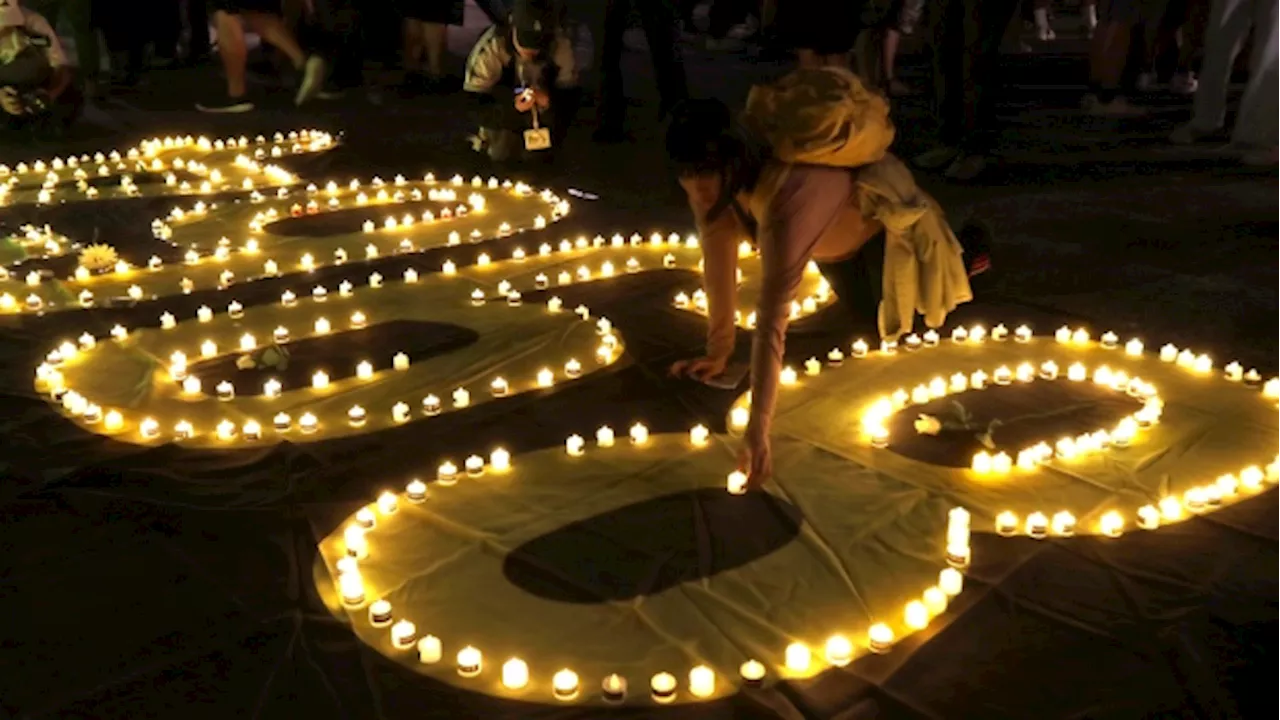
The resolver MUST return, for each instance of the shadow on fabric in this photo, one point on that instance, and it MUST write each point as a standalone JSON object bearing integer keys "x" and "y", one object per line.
{"x": 651, "y": 546}
{"x": 1018, "y": 415}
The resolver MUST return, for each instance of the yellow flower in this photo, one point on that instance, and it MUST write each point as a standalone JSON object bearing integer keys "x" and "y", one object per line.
{"x": 928, "y": 425}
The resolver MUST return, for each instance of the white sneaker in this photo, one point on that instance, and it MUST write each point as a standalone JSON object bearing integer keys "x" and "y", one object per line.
{"x": 313, "y": 76}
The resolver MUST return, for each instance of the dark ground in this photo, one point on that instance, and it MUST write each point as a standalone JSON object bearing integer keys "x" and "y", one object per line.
{"x": 164, "y": 584}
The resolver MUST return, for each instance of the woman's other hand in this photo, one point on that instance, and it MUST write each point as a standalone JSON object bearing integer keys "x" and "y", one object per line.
{"x": 699, "y": 368}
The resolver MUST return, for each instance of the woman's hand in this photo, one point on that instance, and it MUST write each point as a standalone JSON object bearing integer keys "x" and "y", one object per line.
{"x": 700, "y": 368}
{"x": 755, "y": 458}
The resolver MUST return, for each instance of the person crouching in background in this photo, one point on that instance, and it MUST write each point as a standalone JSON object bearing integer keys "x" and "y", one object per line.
{"x": 36, "y": 89}
{"x": 524, "y": 78}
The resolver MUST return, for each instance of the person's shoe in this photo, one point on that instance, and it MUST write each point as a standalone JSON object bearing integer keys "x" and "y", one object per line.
{"x": 1147, "y": 82}
{"x": 313, "y": 76}
{"x": 1184, "y": 83}
{"x": 1255, "y": 156}
{"x": 1189, "y": 134}
{"x": 1046, "y": 34}
{"x": 1118, "y": 107}
{"x": 226, "y": 105}
{"x": 333, "y": 94}
{"x": 936, "y": 158}
{"x": 966, "y": 167}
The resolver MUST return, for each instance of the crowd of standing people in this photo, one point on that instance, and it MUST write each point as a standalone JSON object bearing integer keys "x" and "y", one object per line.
{"x": 324, "y": 46}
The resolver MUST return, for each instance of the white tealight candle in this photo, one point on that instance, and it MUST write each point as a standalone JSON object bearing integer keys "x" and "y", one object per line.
{"x": 702, "y": 682}
{"x": 663, "y": 687}
{"x": 950, "y": 581}
{"x": 564, "y": 685}
{"x": 798, "y": 657}
{"x": 614, "y": 688}
{"x": 839, "y": 650}
{"x": 880, "y": 637}
{"x": 470, "y": 662}
{"x": 380, "y": 614}
{"x": 515, "y": 674}
{"x": 737, "y": 483}
{"x": 639, "y": 434}
{"x": 387, "y": 503}
{"x": 416, "y": 490}
{"x": 574, "y": 445}
{"x": 403, "y": 634}
{"x": 430, "y": 650}
{"x": 916, "y": 615}
{"x": 699, "y": 435}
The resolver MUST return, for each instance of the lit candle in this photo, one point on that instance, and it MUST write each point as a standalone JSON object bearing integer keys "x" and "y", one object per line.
{"x": 515, "y": 674}
{"x": 935, "y": 601}
{"x": 614, "y": 688}
{"x": 430, "y": 650}
{"x": 699, "y": 435}
{"x": 308, "y": 423}
{"x": 860, "y": 349}
{"x": 461, "y": 398}
{"x": 320, "y": 380}
{"x": 978, "y": 380}
{"x": 702, "y": 682}
{"x": 663, "y": 687}
{"x": 959, "y": 335}
{"x": 499, "y": 387}
{"x": 225, "y": 390}
{"x": 403, "y": 634}
{"x": 364, "y": 370}
{"x": 1002, "y": 376}
{"x": 575, "y": 445}
{"x": 1148, "y": 517}
{"x": 950, "y": 582}
{"x": 797, "y": 657}
{"x": 737, "y": 483}
{"x": 639, "y": 434}
{"x": 981, "y": 462}
{"x": 431, "y": 405}
{"x": 470, "y": 662}
{"x": 387, "y": 504}
{"x": 564, "y": 685}
{"x": 1168, "y": 353}
{"x": 839, "y": 650}
{"x": 880, "y": 638}
{"x": 1234, "y": 372}
{"x": 1006, "y": 523}
{"x": 1077, "y": 372}
{"x": 1063, "y": 524}
{"x": 322, "y": 326}
{"x": 1111, "y": 524}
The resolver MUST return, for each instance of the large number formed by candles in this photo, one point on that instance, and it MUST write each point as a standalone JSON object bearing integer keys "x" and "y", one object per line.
{"x": 476, "y": 629}
{"x": 95, "y": 379}
{"x": 1131, "y": 482}
{"x": 189, "y": 166}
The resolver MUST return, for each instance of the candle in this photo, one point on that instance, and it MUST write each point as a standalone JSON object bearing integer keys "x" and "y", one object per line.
{"x": 191, "y": 385}
{"x": 604, "y": 436}
{"x": 935, "y": 601}
{"x": 431, "y": 405}
{"x": 981, "y": 462}
{"x": 699, "y": 435}
{"x": 322, "y": 326}
{"x": 403, "y": 634}
{"x": 447, "y": 473}
{"x": 1002, "y": 376}
{"x": 663, "y": 687}
{"x": 1234, "y": 372}
{"x": 812, "y": 367}
{"x": 1111, "y": 524}
{"x": 835, "y": 358}
{"x": 912, "y": 342}
{"x": 887, "y": 347}
{"x": 1168, "y": 353}
{"x": 737, "y": 483}
{"x": 308, "y": 423}
{"x": 1148, "y": 517}
{"x": 1037, "y": 525}
{"x": 515, "y": 674}
{"x": 880, "y": 638}
{"x": 387, "y": 504}
{"x": 702, "y": 682}
{"x": 959, "y": 335}
{"x": 614, "y": 688}
{"x": 499, "y": 387}
{"x": 470, "y": 662}
{"x": 430, "y": 650}
{"x": 574, "y": 445}
{"x": 461, "y": 398}
{"x": 797, "y": 657}
{"x": 474, "y": 465}
{"x": 916, "y": 615}
{"x": 573, "y": 368}
{"x": 1077, "y": 372}
{"x": 320, "y": 380}
{"x": 364, "y": 370}
{"x": 639, "y": 434}
{"x": 950, "y": 581}
{"x": 1006, "y": 523}
{"x": 380, "y": 614}
{"x": 1063, "y": 524}
{"x": 839, "y": 650}
{"x": 978, "y": 380}
{"x": 564, "y": 685}
{"x": 860, "y": 349}
{"x": 208, "y": 349}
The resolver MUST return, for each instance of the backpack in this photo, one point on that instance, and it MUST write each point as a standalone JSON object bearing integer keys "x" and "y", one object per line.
{"x": 821, "y": 116}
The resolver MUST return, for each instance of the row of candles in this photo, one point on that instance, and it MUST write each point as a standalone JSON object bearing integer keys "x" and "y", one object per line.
{"x": 799, "y": 659}
{"x": 145, "y": 158}
{"x": 307, "y": 262}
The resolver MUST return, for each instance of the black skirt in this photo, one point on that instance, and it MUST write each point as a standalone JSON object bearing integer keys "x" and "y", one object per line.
{"x": 442, "y": 12}
{"x": 827, "y": 27}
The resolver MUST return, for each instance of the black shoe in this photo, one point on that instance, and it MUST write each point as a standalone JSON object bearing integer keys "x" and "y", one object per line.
{"x": 226, "y": 105}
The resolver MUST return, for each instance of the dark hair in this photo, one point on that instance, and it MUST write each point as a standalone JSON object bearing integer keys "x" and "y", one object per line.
{"x": 703, "y": 138}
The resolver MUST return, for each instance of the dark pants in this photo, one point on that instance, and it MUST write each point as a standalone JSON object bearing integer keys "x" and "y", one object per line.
{"x": 858, "y": 282}
{"x": 659, "y": 22}
{"x": 197, "y": 16}
{"x": 966, "y": 69}
{"x": 335, "y": 32}
{"x": 725, "y": 14}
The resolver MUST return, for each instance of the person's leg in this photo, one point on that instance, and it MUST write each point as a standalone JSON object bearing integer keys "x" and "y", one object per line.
{"x": 199, "y": 44}
{"x": 612, "y": 104}
{"x": 1040, "y": 14}
{"x": 1108, "y": 54}
{"x": 952, "y": 68}
{"x": 79, "y": 15}
{"x": 435, "y": 40}
{"x": 857, "y": 282}
{"x": 1089, "y": 16}
{"x": 167, "y": 29}
{"x": 980, "y": 123}
{"x": 234, "y": 54}
{"x": 272, "y": 30}
{"x": 1229, "y": 25}
{"x": 1259, "y": 115}
{"x": 659, "y": 20}
{"x": 414, "y": 47}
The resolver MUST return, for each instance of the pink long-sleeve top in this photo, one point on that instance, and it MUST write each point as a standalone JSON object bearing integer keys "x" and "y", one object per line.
{"x": 802, "y": 213}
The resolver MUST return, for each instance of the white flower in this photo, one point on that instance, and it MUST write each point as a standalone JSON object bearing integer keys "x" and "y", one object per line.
{"x": 928, "y": 425}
